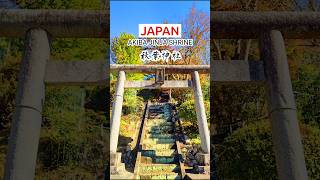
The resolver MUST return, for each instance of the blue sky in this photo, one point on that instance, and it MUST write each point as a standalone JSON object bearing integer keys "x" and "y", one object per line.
{"x": 125, "y": 16}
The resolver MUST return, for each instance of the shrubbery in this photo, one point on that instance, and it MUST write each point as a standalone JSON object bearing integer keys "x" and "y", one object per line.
{"x": 132, "y": 103}
{"x": 187, "y": 110}
{"x": 248, "y": 153}
{"x": 307, "y": 92}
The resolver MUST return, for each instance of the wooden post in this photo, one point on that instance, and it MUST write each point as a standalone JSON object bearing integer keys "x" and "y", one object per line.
{"x": 25, "y": 131}
{"x": 201, "y": 114}
{"x": 282, "y": 109}
{"x": 116, "y": 112}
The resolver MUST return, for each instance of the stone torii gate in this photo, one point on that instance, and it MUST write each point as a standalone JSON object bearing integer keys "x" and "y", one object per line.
{"x": 37, "y": 70}
{"x": 159, "y": 83}
{"x": 273, "y": 71}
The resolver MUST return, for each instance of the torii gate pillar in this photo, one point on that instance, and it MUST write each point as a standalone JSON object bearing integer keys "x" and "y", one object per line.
{"x": 25, "y": 131}
{"x": 201, "y": 114}
{"x": 116, "y": 112}
{"x": 282, "y": 109}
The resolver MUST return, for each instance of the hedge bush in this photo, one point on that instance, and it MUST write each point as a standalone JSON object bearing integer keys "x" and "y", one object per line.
{"x": 248, "y": 153}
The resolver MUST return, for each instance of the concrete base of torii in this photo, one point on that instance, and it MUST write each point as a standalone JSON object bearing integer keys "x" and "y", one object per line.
{"x": 116, "y": 167}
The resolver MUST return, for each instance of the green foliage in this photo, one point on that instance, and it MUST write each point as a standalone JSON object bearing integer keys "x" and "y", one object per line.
{"x": 62, "y": 113}
{"x": 206, "y": 88}
{"x": 308, "y": 94}
{"x": 65, "y": 172}
{"x": 188, "y": 112}
{"x": 78, "y": 49}
{"x": 11, "y": 48}
{"x": 125, "y": 54}
{"x": 127, "y": 121}
{"x": 248, "y": 153}
{"x": 182, "y": 95}
{"x": 60, "y": 4}
{"x": 233, "y": 104}
{"x": 8, "y": 85}
{"x": 148, "y": 94}
{"x": 187, "y": 108}
{"x": 132, "y": 103}
{"x": 73, "y": 135}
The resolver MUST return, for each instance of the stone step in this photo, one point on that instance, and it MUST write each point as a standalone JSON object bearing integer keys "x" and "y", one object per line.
{"x": 159, "y": 136}
{"x": 164, "y": 159}
{"x": 166, "y": 114}
{"x": 159, "y": 152}
{"x": 161, "y": 131}
{"x": 164, "y": 123}
{"x": 157, "y": 146}
{"x": 159, "y": 141}
{"x": 155, "y": 107}
{"x": 158, "y": 124}
{"x": 175, "y": 176}
{"x": 156, "y": 110}
{"x": 156, "y": 116}
{"x": 158, "y": 169}
{"x": 156, "y": 119}
{"x": 159, "y": 104}
{"x": 158, "y": 160}
{"x": 165, "y": 126}
{"x": 160, "y": 128}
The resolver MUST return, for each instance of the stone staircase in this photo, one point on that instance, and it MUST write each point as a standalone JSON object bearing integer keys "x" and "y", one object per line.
{"x": 158, "y": 158}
